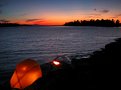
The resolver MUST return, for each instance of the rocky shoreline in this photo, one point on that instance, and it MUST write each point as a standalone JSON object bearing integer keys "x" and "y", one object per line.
{"x": 102, "y": 70}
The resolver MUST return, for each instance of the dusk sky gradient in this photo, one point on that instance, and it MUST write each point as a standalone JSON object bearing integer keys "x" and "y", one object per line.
{"x": 57, "y": 12}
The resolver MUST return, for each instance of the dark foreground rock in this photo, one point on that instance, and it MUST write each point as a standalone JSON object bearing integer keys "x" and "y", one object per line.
{"x": 102, "y": 70}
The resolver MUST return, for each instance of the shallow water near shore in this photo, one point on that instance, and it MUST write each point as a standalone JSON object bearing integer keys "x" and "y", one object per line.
{"x": 45, "y": 43}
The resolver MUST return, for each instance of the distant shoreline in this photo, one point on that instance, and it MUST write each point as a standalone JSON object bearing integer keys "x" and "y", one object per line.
{"x": 91, "y": 22}
{"x": 53, "y": 26}
{"x": 12, "y": 25}
{"x": 97, "y": 23}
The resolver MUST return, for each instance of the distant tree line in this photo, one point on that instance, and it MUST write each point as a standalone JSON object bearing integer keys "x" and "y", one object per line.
{"x": 92, "y": 22}
{"x": 12, "y": 24}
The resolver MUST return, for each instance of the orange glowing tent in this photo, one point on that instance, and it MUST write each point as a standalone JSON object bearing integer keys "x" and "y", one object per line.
{"x": 26, "y": 73}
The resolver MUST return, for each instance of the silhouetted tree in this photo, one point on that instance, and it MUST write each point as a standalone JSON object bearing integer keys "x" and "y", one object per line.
{"x": 117, "y": 22}
{"x": 102, "y": 22}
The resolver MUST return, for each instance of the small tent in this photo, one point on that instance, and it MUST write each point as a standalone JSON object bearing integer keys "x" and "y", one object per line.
{"x": 26, "y": 73}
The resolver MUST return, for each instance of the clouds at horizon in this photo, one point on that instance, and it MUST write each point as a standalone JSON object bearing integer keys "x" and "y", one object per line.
{"x": 102, "y": 11}
{"x": 4, "y": 21}
{"x": 34, "y": 20}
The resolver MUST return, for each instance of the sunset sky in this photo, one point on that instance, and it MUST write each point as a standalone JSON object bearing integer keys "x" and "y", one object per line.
{"x": 57, "y": 12}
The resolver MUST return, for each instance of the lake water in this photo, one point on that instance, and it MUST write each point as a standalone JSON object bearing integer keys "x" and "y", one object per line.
{"x": 45, "y": 43}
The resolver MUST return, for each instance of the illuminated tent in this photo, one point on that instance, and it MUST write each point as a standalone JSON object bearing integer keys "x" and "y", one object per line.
{"x": 26, "y": 73}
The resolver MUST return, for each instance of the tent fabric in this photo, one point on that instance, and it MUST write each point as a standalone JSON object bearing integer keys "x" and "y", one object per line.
{"x": 26, "y": 73}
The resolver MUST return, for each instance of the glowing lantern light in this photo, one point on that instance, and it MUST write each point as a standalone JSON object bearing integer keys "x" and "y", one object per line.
{"x": 56, "y": 63}
{"x": 26, "y": 73}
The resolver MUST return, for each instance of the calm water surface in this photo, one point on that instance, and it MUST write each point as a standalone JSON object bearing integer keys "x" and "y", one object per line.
{"x": 44, "y": 43}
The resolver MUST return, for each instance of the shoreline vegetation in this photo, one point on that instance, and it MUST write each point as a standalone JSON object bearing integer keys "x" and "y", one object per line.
{"x": 14, "y": 25}
{"x": 92, "y": 22}
{"x": 101, "y": 70}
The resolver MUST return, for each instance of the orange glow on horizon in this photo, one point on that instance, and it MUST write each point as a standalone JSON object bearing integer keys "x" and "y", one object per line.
{"x": 61, "y": 20}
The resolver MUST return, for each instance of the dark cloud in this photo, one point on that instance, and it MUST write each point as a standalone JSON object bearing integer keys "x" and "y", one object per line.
{"x": 116, "y": 16}
{"x": 94, "y": 14}
{"x": 32, "y": 20}
{"x": 95, "y": 9}
{"x": 39, "y": 21}
{"x": 104, "y": 11}
{"x": 24, "y": 14}
{"x": 4, "y": 21}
